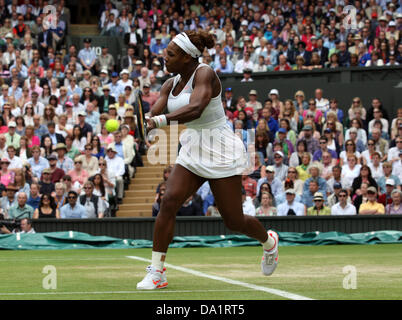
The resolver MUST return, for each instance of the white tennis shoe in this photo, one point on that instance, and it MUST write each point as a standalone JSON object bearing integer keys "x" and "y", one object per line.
{"x": 154, "y": 279}
{"x": 270, "y": 258}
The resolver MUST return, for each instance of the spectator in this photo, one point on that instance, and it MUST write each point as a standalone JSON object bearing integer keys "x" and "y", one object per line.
{"x": 372, "y": 206}
{"x": 47, "y": 208}
{"x": 387, "y": 170}
{"x": 275, "y": 183}
{"x": 89, "y": 162}
{"x": 266, "y": 208}
{"x": 281, "y": 170}
{"x": 94, "y": 205}
{"x": 386, "y": 198}
{"x": 319, "y": 209}
{"x": 37, "y": 162}
{"x": 376, "y": 167}
{"x": 312, "y": 143}
{"x": 21, "y": 209}
{"x": 73, "y": 210}
{"x": 248, "y": 206}
{"x": 125, "y": 151}
{"x": 9, "y": 199}
{"x": 250, "y": 186}
{"x": 395, "y": 207}
{"x": 291, "y": 207}
{"x": 78, "y": 174}
{"x": 343, "y": 207}
{"x": 116, "y": 165}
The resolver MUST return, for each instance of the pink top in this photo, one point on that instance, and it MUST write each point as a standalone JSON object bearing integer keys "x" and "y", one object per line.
{"x": 318, "y": 114}
{"x": 82, "y": 177}
{"x": 7, "y": 178}
{"x": 35, "y": 142}
{"x": 3, "y": 129}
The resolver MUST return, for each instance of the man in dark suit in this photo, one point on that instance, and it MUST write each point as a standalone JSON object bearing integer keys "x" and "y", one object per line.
{"x": 126, "y": 61}
{"x": 55, "y": 137}
{"x": 301, "y": 51}
{"x": 106, "y": 100}
{"x": 45, "y": 40}
{"x": 322, "y": 51}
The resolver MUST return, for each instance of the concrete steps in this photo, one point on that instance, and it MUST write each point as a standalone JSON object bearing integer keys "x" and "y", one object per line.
{"x": 141, "y": 192}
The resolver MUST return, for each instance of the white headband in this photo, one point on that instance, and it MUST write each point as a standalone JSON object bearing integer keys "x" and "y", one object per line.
{"x": 183, "y": 41}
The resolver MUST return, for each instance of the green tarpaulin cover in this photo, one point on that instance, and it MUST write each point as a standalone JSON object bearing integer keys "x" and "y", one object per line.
{"x": 78, "y": 240}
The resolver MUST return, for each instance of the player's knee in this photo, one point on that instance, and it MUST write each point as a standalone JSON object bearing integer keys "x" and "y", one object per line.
{"x": 234, "y": 225}
{"x": 170, "y": 204}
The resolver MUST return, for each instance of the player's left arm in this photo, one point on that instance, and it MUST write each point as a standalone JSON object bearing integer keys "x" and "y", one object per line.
{"x": 204, "y": 81}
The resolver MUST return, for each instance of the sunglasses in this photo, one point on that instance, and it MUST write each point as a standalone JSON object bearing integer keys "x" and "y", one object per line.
{"x": 342, "y": 196}
{"x": 87, "y": 188}
{"x": 77, "y": 162}
{"x": 102, "y": 164}
{"x": 74, "y": 197}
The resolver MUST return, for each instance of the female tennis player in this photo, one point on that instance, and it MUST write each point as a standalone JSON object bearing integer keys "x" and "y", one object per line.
{"x": 193, "y": 97}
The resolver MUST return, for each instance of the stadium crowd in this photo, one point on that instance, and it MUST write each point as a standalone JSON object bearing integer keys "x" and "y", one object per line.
{"x": 58, "y": 159}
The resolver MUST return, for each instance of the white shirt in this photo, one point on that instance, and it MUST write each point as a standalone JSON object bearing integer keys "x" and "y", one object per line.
{"x": 248, "y": 207}
{"x": 322, "y": 104}
{"x": 337, "y": 210}
{"x": 241, "y": 65}
{"x": 297, "y": 207}
{"x": 15, "y": 163}
{"x": 376, "y": 173}
{"x": 115, "y": 165}
{"x": 393, "y": 153}
{"x": 39, "y": 108}
{"x": 348, "y": 175}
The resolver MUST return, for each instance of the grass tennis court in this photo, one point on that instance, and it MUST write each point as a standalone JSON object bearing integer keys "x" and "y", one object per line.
{"x": 314, "y": 272}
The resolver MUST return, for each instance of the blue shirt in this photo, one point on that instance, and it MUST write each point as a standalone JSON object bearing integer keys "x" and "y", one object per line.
{"x": 276, "y": 186}
{"x": 87, "y": 55}
{"x": 92, "y": 119}
{"x": 78, "y": 212}
{"x": 115, "y": 90}
{"x": 37, "y": 167}
{"x": 381, "y": 182}
{"x": 34, "y": 202}
{"x": 41, "y": 131}
{"x": 119, "y": 149}
{"x": 318, "y": 154}
{"x": 157, "y": 48}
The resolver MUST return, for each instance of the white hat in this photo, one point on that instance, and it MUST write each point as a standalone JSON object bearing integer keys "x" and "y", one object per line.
{"x": 274, "y": 91}
{"x": 253, "y": 92}
{"x": 280, "y": 153}
{"x": 290, "y": 191}
{"x": 12, "y": 124}
{"x": 138, "y": 62}
{"x": 9, "y": 35}
{"x": 390, "y": 182}
{"x": 104, "y": 71}
{"x": 82, "y": 113}
{"x": 392, "y": 24}
{"x": 124, "y": 71}
{"x": 244, "y": 23}
{"x": 270, "y": 169}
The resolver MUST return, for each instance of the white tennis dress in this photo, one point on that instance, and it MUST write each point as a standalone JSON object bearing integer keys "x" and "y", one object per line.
{"x": 209, "y": 147}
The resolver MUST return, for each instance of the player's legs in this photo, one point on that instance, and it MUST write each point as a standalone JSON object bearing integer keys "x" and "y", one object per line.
{"x": 181, "y": 184}
{"x": 228, "y": 197}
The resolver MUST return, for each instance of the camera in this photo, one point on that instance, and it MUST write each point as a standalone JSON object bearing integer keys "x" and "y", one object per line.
{"x": 10, "y": 224}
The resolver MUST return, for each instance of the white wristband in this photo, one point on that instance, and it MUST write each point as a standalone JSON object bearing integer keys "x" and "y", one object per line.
{"x": 160, "y": 121}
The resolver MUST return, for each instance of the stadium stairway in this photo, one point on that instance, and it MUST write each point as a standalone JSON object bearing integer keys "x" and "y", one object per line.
{"x": 140, "y": 196}
{"x": 83, "y": 29}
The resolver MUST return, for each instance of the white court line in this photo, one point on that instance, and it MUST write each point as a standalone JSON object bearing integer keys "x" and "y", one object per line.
{"x": 112, "y": 292}
{"x": 281, "y": 293}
